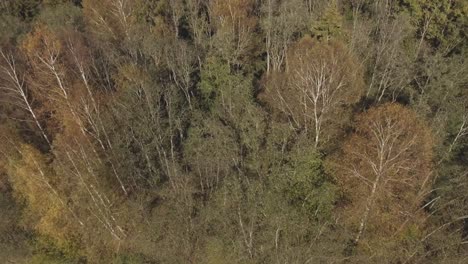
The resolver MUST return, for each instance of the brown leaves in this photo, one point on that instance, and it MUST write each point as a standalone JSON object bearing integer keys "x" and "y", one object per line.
{"x": 42, "y": 43}
{"x": 385, "y": 168}
{"x": 109, "y": 19}
{"x": 395, "y": 134}
{"x": 234, "y": 24}
{"x": 321, "y": 79}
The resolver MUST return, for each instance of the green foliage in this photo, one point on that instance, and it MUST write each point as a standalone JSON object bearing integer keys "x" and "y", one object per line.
{"x": 45, "y": 251}
{"x": 215, "y": 76}
{"x": 24, "y": 9}
{"x": 223, "y": 90}
{"x": 62, "y": 16}
{"x": 214, "y": 131}
{"x": 330, "y": 24}
{"x": 308, "y": 186}
{"x": 10, "y": 29}
{"x": 443, "y": 23}
{"x": 13, "y": 238}
{"x": 129, "y": 259}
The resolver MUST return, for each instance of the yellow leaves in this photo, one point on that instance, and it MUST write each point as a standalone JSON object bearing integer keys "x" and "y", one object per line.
{"x": 28, "y": 173}
{"x": 42, "y": 43}
{"x": 54, "y": 223}
{"x": 31, "y": 179}
{"x": 28, "y": 178}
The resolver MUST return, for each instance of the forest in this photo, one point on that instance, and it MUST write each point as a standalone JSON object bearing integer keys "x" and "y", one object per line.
{"x": 233, "y": 131}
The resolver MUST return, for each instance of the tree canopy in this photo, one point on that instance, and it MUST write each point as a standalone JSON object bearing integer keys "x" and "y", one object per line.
{"x": 241, "y": 131}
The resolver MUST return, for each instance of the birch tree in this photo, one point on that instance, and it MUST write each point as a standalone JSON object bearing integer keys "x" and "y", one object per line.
{"x": 15, "y": 88}
{"x": 234, "y": 24}
{"x": 390, "y": 64}
{"x": 321, "y": 80}
{"x": 66, "y": 94}
{"x": 385, "y": 170}
{"x": 281, "y": 21}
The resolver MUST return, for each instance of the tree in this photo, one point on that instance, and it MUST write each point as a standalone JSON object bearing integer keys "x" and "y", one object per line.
{"x": 330, "y": 24}
{"x": 281, "y": 22}
{"x": 389, "y": 60}
{"x": 233, "y": 25}
{"x": 15, "y": 88}
{"x": 46, "y": 53}
{"x": 60, "y": 16}
{"x": 10, "y": 28}
{"x": 25, "y": 9}
{"x": 13, "y": 237}
{"x": 442, "y": 23}
{"x": 321, "y": 80}
{"x": 385, "y": 170}
{"x": 109, "y": 19}
{"x": 233, "y": 131}
{"x": 180, "y": 59}
{"x": 64, "y": 91}
{"x": 212, "y": 153}
{"x": 198, "y": 21}
{"x": 444, "y": 100}
{"x": 33, "y": 183}
{"x": 384, "y": 41}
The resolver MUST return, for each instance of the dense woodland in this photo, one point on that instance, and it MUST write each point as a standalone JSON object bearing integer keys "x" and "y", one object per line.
{"x": 233, "y": 131}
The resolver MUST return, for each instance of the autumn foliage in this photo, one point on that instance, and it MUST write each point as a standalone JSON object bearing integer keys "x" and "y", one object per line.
{"x": 233, "y": 131}
{"x": 385, "y": 171}
{"x": 321, "y": 80}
